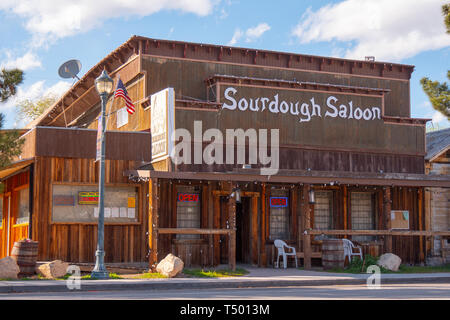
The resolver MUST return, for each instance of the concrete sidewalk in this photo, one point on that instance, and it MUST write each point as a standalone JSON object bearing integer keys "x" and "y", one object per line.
{"x": 258, "y": 277}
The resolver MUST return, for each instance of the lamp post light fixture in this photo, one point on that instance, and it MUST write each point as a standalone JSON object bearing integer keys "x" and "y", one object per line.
{"x": 104, "y": 86}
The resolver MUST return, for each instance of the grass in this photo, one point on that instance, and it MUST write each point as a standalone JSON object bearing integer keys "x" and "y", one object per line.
{"x": 215, "y": 273}
{"x": 147, "y": 275}
{"x": 358, "y": 266}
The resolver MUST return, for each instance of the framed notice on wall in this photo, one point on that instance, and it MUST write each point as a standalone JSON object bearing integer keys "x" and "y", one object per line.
{"x": 399, "y": 219}
{"x": 162, "y": 123}
{"x": 79, "y": 203}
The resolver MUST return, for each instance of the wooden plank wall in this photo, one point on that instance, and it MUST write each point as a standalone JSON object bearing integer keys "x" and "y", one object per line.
{"x": 76, "y": 242}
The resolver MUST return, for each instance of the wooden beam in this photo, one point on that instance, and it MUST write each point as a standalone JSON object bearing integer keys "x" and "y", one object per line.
{"x": 408, "y": 233}
{"x": 345, "y": 207}
{"x": 232, "y": 234}
{"x": 387, "y": 206}
{"x": 153, "y": 222}
{"x": 216, "y": 220}
{"x": 427, "y": 202}
{"x": 306, "y": 213}
{"x": 263, "y": 259}
{"x": 420, "y": 209}
{"x": 192, "y": 231}
{"x": 254, "y": 233}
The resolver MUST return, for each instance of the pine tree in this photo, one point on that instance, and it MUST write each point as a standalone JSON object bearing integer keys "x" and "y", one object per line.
{"x": 437, "y": 92}
{"x": 10, "y": 145}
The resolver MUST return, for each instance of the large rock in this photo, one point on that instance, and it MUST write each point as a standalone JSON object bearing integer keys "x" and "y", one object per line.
{"x": 54, "y": 269}
{"x": 8, "y": 268}
{"x": 389, "y": 261}
{"x": 170, "y": 266}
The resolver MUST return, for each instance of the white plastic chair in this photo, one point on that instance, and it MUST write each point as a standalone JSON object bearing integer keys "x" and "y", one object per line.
{"x": 348, "y": 250}
{"x": 281, "y": 245}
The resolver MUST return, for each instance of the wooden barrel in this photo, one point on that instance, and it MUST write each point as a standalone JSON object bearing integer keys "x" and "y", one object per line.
{"x": 25, "y": 253}
{"x": 332, "y": 254}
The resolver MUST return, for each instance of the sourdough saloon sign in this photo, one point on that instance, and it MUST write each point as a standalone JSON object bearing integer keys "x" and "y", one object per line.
{"x": 307, "y": 107}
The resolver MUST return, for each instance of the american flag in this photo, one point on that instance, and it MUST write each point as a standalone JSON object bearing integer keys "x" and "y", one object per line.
{"x": 122, "y": 93}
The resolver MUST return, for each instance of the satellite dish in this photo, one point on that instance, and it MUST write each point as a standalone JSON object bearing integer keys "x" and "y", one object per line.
{"x": 70, "y": 69}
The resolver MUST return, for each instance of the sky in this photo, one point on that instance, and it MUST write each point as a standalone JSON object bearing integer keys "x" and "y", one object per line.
{"x": 38, "y": 36}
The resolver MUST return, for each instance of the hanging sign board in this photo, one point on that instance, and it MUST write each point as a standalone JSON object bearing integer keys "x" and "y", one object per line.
{"x": 99, "y": 140}
{"x": 162, "y": 112}
{"x": 278, "y": 202}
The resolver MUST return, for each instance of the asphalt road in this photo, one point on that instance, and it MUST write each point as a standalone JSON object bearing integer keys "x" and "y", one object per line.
{"x": 353, "y": 292}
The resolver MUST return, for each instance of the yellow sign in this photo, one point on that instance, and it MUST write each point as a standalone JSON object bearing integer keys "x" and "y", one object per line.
{"x": 131, "y": 202}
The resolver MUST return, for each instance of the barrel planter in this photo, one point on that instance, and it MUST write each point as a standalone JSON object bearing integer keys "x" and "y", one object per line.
{"x": 25, "y": 253}
{"x": 332, "y": 254}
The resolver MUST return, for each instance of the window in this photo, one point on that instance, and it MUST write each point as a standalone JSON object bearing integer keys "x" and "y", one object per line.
{"x": 79, "y": 203}
{"x": 188, "y": 210}
{"x": 279, "y": 215}
{"x": 362, "y": 213}
{"x": 1, "y": 211}
{"x": 24, "y": 206}
{"x": 323, "y": 210}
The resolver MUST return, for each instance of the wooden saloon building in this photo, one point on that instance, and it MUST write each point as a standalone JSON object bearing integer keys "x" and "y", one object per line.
{"x": 345, "y": 136}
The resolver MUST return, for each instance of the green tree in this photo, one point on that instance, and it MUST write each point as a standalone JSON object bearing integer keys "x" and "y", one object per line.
{"x": 437, "y": 92}
{"x": 446, "y": 12}
{"x": 30, "y": 110}
{"x": 10, "y": 145}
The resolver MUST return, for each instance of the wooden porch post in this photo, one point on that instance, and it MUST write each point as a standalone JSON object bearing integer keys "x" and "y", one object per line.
{"x": 263, "y": 260}
{"x": 420, "y": 208}
{"x": 216, "y": 219}
{"x": 345, "y": 208}
{"x": 306, "y": 213}
{"x": 153, "y": 222}
{"x": 254, "y": 235}
{"x": 232, "y": 233}
{"x": 387, "y": 206}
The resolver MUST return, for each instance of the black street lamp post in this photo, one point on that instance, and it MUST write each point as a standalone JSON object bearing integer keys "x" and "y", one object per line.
{"x": 104, "y": 86}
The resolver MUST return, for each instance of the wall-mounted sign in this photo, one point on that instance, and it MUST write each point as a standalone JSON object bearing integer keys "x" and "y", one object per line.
{"x": 63, "y": 200}
{"x": 188, "y": 197}
{"x": 162, "y": 114}
{"x": 399, "y": 219}
{"x": 278, "y": 202}
{"x": 305, "y": 109}
{"x": 87, "y": 197}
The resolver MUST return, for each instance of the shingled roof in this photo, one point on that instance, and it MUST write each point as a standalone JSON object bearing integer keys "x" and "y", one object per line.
{"x": 438, "y": 142}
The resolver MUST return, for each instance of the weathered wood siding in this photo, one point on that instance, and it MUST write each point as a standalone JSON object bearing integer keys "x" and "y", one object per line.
{"x": 161, "y": 69}
{"x": 76, "y": 242}
{"x": 439, "y": 202}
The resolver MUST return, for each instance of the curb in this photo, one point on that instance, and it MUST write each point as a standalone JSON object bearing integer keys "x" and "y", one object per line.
{"x": 5, "y": 288}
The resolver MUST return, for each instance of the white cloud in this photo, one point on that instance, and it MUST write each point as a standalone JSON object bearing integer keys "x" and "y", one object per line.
{"x": 386, "y": 29}
{"x": 26, "y": 62}
{"x": 236, "y": 36}
{"x": 251, "y": 34}
{"x": 49, "y": 20}
{"x": 254, "y": 33}
{"x": 438, "y": 117}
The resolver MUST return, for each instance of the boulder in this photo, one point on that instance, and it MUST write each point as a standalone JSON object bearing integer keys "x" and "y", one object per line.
{"x": 8, "y": 268}
{"x": 54, "y": 269}
{"x": 389, "y": 261}
{"x": 170, "y": 266}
